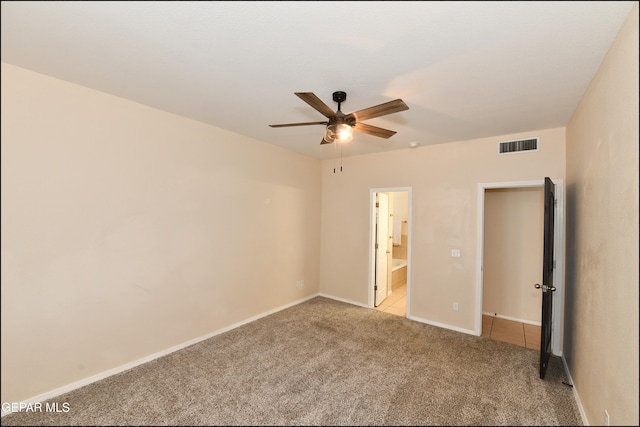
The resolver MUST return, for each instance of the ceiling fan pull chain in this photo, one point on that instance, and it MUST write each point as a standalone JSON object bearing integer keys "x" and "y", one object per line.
{"x": 340, "y": 157}
{"x": 334, "y": 157}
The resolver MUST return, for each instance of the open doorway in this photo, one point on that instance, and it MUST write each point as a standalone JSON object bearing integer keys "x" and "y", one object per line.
{"x": 515, "y": 299}
{"x": 513, "y": 236}
{"x": 390, "y": 250}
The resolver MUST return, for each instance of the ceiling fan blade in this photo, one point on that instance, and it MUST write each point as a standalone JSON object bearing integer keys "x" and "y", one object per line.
{"x": 373, "y": 130}
{"x": 311, "y": 99}
{"x": 390, "y": 107}
{"x": 298, "y": 124}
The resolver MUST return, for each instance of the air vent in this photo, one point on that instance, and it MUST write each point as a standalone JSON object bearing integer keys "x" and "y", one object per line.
{"x": 506, "y": 147}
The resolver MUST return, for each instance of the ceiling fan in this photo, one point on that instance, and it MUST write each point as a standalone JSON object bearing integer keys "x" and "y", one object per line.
{"x": 339, "y": 126}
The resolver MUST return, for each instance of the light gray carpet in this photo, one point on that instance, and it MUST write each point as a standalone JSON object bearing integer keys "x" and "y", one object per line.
{"x": 324, "y": 362}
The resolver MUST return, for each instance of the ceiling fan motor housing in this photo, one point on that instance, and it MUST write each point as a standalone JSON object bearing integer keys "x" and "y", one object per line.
{"x": 340, "y": 117}
{"x": 339, "y": 96}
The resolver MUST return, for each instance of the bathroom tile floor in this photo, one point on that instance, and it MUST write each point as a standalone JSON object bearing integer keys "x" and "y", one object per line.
{"x": 396, "y": 303}
{"x": 518, "y": 333}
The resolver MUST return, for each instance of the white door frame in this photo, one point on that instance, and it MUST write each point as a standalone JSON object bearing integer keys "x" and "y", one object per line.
{"x": 372, "y": 225}
{"x": 382, "y": 285}
{"x": 557, "y": 324}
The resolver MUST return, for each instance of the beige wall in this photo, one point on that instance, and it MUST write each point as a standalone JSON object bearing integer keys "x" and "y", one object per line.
{"x": 513, "y": 243}
{"x": 601, "y": 317}
{"x": 127, "y": 230}
{"x": 444, "y": 180}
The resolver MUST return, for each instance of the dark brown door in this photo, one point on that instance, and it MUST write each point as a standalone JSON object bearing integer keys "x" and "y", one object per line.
{"x": 547, "y": 276}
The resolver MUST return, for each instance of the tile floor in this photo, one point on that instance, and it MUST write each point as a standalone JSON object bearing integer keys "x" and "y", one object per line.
{"x": 522, "y": 334}
{"x": 396, "y": 303}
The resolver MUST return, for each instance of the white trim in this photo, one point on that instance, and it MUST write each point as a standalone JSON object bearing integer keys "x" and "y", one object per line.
{"x": 500, "y": 316}
{"x": 372, "y": 196}
{"x": 557, "y": 323}
{"x": 558, "y": 279}
{"x": 442, "y": 325}
{"x": 110, "y": 372}
{"x": 359, "y": 304}
{"x": 372, "y": 224}
{"x": 583, "y": 414}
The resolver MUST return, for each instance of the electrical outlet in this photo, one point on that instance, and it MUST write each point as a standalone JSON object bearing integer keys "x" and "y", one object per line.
{"x": 301, "y": 283}
{"x": 455, "y": 253}
{"x": 455, "y": 306}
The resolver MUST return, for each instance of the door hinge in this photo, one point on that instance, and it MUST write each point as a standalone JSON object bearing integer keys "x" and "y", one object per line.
{"x": 554, "y": 263}
{"x": 376, "y": 246}
{"x": 375, "y": 288}
{"x": 377, "y": 205}
{"x": 555, "y": 203}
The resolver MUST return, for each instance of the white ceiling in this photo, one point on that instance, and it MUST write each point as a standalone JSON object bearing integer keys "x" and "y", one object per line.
{"x": 465, "y": 69}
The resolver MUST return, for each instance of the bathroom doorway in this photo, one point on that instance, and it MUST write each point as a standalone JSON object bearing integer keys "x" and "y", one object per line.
{"x": 389, "y": 284}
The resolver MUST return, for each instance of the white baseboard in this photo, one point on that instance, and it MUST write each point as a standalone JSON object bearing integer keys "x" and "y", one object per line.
{"x": 500, "y": 316}
{"x": 443, "y": 325}
{"x": 343, "y": 300}
{"x": 583, "y": 415}
{"x": 86, "y": 381}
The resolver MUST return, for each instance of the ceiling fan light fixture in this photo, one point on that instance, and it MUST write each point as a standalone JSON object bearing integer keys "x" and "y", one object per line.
{"x": 340, "y": 132}
{"x": 340, "y": 126}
